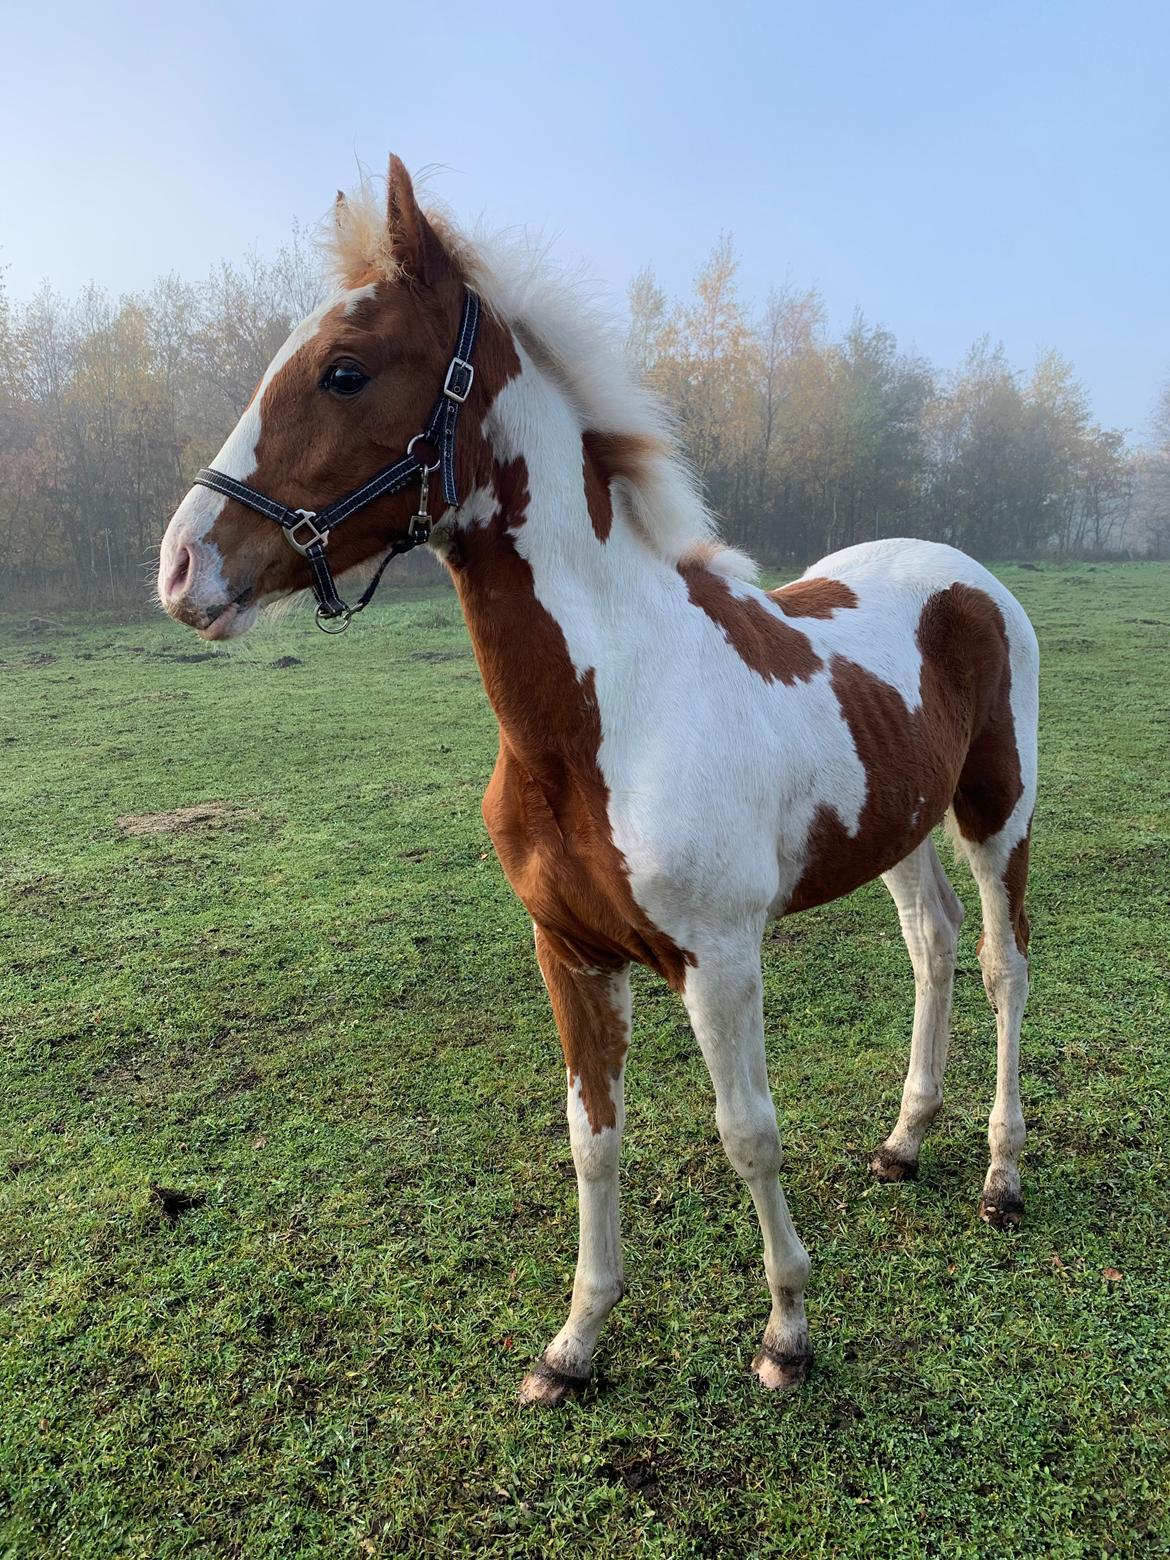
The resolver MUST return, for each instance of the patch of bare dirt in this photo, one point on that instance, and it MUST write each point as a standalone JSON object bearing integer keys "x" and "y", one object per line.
{"x": 184, "y": 820}
{"x": 174, "y": 1203}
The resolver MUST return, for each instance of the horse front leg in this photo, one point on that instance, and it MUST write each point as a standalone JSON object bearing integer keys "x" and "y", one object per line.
{"x": 592, "y": 1010}
{"x": 724, "y": 999}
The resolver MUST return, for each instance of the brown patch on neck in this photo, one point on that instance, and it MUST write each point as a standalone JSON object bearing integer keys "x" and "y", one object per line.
{"x": 629, "y": 456}
{"x": 763, "y": 641}
{"x": 547, "y": 806}
{"x": 597, "y": 494}
{"x": 496, "y": 363}
{"x": 917, "y": 763}
{"x": 817, "y": 598}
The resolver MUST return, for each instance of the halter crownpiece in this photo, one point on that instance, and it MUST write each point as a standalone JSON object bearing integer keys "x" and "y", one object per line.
{"x": 307, "y": 531}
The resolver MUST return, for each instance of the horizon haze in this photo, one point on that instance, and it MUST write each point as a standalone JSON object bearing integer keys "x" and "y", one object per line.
{"x": 950, "y": 174}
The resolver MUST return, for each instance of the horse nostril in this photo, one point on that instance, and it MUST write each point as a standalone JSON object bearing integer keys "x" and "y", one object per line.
{"x": 180, "y": 576}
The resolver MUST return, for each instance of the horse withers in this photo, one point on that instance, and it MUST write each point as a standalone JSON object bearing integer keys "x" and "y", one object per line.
{"x": 682, "y": 756}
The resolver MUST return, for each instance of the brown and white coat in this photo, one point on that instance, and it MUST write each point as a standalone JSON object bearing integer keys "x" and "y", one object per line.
{"x": 682, "y": 755}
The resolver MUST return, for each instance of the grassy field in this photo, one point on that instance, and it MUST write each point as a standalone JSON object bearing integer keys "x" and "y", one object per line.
{"x": 286, "y": 1202}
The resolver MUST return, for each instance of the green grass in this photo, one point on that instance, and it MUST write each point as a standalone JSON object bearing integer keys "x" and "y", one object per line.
{"x": 322, "y": 1021}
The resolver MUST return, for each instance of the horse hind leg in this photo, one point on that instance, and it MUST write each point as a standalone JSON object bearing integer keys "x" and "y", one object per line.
{"x": 930, "y": 915}
{"x": 1000, "y": 867}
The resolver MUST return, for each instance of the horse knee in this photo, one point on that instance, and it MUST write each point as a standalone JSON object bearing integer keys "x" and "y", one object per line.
{"x": 751, "y": 1141}
{"x": 596, "y": 1154}
{"x": 938, "y": 948}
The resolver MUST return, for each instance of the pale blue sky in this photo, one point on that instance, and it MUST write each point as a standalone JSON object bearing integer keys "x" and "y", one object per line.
{"x": 952, "y": 168}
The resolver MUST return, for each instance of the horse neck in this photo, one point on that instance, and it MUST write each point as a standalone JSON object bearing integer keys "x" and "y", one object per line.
{"x": 556, "y": 582}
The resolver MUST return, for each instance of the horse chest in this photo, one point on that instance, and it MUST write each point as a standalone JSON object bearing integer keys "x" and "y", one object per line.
{"x": 554, "y": 840}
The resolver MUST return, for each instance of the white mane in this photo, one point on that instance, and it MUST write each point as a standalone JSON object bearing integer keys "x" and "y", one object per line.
{"x": 559, "y": 319}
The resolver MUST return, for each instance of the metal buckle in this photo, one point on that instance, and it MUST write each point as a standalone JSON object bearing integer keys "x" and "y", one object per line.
{"x": 306, "y": 518}
{"x": 463, "y": 367}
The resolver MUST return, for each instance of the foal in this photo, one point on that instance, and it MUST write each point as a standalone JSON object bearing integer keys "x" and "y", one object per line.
{"x": 682, "y": 756}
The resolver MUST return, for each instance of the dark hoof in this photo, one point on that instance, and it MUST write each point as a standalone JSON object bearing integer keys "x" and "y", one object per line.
{"x": 781, "y": 1372}
{"x": 885, "y": 1166}
{"x": 549, "y": 1387}
{"x": 1002, "y": 1213}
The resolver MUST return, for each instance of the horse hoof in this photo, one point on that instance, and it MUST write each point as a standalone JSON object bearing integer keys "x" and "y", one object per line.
{"x": 778, "y": 1372}
{"x": 885, "y": 1166}
{"x": 1002, "y": 1213}
{"x": 549, "y": 1387}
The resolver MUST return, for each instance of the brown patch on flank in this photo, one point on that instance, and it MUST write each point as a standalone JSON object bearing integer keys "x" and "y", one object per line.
{"x": 772, "y": 649}
{"x": 1015, "y": 882}
{"x": 597, "y": 495}
{"x": 953, "y": 748}
{"x": 817, "y": 598}
{"x": 547, "y": 804}
{"x": 208, "y": 815}
{"x": 963, "y": 638}
{"x": 591, "y": 1027}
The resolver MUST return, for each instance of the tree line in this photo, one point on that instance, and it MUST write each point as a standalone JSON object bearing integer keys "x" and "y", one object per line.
{"x": 804, "y": 441}
{"x": 109, "y": 406}
{"x": 808, "y": 442}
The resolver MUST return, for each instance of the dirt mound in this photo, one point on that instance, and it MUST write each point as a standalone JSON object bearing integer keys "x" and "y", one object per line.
{"x": 208, "y": 815}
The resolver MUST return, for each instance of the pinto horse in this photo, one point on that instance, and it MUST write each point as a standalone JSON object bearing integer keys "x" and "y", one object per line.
{"x": 682, "y": 756}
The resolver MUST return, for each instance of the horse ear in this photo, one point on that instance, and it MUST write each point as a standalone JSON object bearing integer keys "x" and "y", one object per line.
{"x": 340, "y": 208}
{"x": 413, "y": 241}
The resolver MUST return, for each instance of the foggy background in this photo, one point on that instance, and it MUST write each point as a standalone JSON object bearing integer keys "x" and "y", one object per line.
{"x": 900, "y": 270}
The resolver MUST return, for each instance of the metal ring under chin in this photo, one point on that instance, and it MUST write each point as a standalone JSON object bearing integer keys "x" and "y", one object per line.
{"x": 423, "y": 438}
{"x": 339, "y": 623}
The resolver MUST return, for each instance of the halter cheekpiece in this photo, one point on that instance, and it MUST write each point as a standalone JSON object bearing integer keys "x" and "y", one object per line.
{"x": 307, "y": 531}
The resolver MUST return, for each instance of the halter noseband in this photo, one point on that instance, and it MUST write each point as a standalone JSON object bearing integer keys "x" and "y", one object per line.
{"x": 307, "y": 531}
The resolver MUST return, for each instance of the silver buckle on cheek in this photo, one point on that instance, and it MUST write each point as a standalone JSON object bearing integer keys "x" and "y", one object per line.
{"x": 459, "y": 380}
{"x": 304, "y": 522}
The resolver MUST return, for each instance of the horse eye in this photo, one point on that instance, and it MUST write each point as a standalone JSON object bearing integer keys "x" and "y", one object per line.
{"x": 344, "y": 379}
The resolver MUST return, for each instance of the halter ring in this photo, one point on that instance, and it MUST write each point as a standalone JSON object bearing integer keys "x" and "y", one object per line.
{"x": 422, "y": 463}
